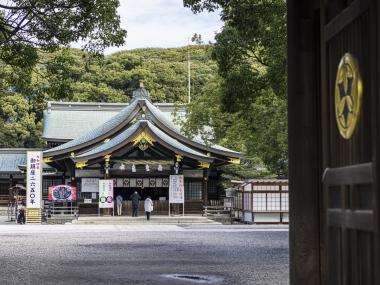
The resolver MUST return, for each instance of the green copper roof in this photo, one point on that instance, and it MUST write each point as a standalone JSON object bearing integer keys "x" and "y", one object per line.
{"x": 98, "y": 131}
{"x": 128, "y": 134}
{"x": 198, "y": 142}
{"x": 116, "y": 131}
{"x": 12, "y": 159}
{"x": 9, "y": 162}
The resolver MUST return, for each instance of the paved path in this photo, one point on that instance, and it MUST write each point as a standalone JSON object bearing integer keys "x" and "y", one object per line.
{"x": 143, "y": 254}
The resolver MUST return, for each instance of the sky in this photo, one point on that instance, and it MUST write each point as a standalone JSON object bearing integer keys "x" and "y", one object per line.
{"x": 162, "y": 23}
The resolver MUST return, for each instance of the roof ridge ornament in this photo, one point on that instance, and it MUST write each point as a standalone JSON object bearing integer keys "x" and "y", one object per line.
{"x": 141, "y": 93}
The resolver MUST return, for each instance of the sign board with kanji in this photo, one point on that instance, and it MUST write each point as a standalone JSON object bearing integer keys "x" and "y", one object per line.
{"x": 176, "y": 189}
{"x": 34, "y": 180}
{"x": 106, "y": 193}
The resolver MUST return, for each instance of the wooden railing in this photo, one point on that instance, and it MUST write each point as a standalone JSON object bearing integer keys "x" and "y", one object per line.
{"x": 211, "y": 211}
{"x": 60, "y": 211}
{"x": 4, "y": 200}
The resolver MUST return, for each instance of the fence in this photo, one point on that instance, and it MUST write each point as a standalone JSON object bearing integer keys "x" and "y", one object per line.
{"x": 59, "y": 214}
{"x": 262, "y": 201}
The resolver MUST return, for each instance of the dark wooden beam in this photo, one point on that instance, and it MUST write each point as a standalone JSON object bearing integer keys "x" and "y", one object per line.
{"x": 304, "y": 174}
{"x": 348, "y": 15}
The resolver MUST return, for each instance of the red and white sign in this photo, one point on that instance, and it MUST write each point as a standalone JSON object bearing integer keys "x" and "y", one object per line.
{"x": 62, "y": 193}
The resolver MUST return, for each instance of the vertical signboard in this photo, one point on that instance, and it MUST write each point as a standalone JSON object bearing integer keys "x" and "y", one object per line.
{"x": 106, "y": 193}
{"x": 33, "y": 186}
{"x": 176, "y": 189}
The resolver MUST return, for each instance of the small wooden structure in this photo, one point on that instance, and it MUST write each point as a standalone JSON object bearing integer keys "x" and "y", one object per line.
{"x": 262, "y": 201}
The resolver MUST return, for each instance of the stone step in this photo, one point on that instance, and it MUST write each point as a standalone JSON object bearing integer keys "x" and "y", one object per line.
{"x": 142, "y": 220}
{"x": 3, "y": 211}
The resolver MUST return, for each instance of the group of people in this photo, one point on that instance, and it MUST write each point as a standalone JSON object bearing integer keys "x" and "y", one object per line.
{"x": 135, "y": 198}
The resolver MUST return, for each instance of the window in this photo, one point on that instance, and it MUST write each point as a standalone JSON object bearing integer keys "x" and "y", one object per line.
{"x": 193, "y": 190}
{"x": 47, "y": 182}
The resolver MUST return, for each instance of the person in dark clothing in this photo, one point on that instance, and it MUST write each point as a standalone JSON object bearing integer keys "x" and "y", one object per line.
{"x": 21, "y": 216}
{"x": 135, "y": 197}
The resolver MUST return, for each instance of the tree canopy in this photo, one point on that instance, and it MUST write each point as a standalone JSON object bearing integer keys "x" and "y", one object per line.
{"x": 250, "y": 52}
{"x": 49, "y": 24}
{"x": 75, "y": 75}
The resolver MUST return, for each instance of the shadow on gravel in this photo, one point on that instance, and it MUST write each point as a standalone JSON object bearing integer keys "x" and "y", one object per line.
{"x": 192, "y": 278}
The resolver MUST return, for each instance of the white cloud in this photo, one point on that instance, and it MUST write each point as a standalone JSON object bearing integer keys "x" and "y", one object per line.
{"x": 163, "y": 23}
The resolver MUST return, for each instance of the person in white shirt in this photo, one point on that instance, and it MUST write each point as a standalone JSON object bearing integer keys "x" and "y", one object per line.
{"x": 148, "y": 206}
{"x": 119, "y": 203}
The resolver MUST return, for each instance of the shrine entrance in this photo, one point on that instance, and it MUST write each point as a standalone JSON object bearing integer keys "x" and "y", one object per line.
{"x": 156, "y": 194}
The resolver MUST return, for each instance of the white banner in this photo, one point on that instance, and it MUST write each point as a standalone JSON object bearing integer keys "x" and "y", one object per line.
{"x": 90, "y": 185}
{"x": 106, "y": 193}
{"x": 34, "y": 179}
{"x": 176, "y": 189}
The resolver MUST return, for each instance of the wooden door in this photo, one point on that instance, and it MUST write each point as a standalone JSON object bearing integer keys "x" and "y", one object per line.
{"x": 334, "y": 195}
{"x": 349, "y": 144}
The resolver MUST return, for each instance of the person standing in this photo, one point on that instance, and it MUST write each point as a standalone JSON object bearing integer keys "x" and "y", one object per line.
{"x": 148, "y": 206}
{"x": 135, "y": 198}
{"x": 119, "y": 204}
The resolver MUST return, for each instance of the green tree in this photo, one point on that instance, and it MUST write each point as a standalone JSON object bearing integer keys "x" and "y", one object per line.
{"x": 49, "y": 24}
{"x": 18, "y": 124}
{"x": 75, "y": 75}
{"x": 251, "y": 55}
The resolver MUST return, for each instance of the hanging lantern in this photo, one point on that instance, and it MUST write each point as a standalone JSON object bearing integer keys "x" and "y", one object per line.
{"x": 133, "y": 168}
{"x": 159, "y": 168}
{"x": 147, "y": 167}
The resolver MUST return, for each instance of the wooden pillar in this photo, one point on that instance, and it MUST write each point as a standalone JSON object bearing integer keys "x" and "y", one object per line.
{"x": 304, "y": 127}
{"x": 204, "y": 188}
{"x": 10, "y": 181}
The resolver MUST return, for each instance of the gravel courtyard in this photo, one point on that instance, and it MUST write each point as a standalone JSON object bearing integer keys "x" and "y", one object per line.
{"x": 133, "y": 254}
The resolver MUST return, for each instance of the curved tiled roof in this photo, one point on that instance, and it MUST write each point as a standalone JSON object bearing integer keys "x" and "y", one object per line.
{"x": 120, "y": 138}
{"x": 175, "y": 128}
{"x": 126, "y": 136}
{"x": 176, "y": 144}
{"x": 117, "y": 122}
{"x": 97, "y": 132}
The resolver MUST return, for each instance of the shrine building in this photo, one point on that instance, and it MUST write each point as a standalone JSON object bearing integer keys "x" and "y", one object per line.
{"x": 137, "y": 144}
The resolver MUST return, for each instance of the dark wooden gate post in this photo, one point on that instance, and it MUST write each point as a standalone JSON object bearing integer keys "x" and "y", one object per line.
{"x": 304, "y": 176}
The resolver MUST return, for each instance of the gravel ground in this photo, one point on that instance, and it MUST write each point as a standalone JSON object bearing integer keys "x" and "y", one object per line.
{"x": 123, "y": 254}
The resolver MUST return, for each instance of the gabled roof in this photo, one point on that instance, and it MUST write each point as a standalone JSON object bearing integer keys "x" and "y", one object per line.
{"x": 127, "y": 137}
{"x": 139, "y": 115}
{"x": 65, "y": 121}
{"x": 100, "y": 132}
{"x": 174, "y": 129}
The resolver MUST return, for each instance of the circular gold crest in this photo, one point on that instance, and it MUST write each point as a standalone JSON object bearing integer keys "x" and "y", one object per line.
{"x": 348, "y": 95}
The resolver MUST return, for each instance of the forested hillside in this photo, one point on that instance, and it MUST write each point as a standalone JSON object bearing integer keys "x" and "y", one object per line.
{"x": 74, "y": 75}
{"x": 256, "y": 126}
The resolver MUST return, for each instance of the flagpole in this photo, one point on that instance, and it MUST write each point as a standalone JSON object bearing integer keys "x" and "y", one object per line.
{"x": 188, "y": 69}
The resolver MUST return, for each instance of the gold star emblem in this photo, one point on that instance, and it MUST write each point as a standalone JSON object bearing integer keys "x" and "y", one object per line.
{"x": 348, "y": 96}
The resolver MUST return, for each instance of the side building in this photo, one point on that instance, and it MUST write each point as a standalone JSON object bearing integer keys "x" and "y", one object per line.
{"x": 137, "y": 145}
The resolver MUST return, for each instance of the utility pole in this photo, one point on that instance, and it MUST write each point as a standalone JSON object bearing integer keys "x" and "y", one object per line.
{"x": 188, "y": 69}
